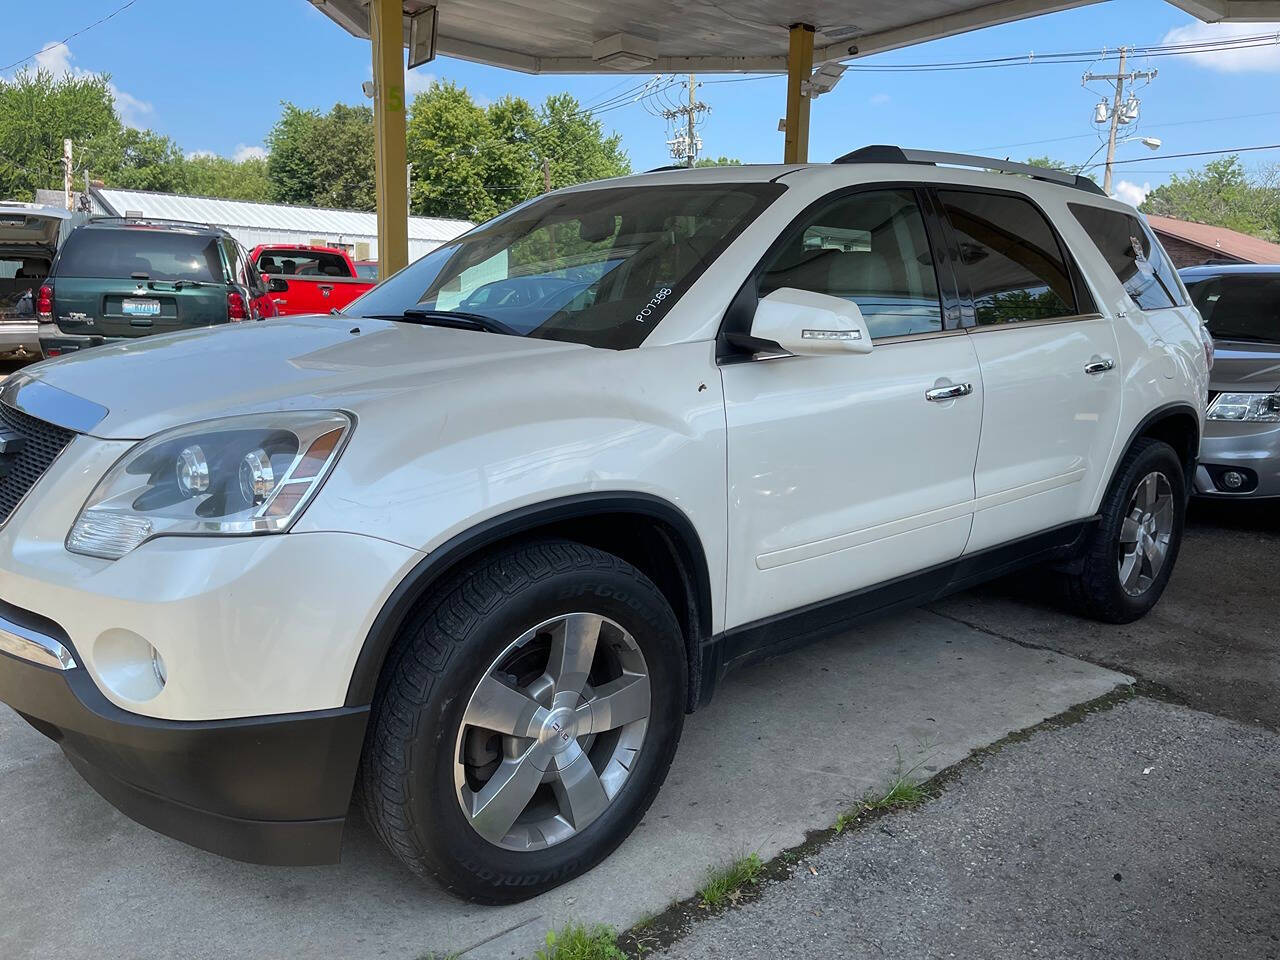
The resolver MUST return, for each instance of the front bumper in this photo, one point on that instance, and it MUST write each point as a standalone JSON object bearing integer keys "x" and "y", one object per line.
{"x": 1251, "y": 449}
{"x": 269, "y": 789}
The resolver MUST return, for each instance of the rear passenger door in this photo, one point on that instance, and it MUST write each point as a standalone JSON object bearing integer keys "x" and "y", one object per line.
{"x": 1050, "y": 376}
{"x": 849, "y": 471}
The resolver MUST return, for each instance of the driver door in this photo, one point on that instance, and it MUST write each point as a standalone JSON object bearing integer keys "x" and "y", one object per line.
{"x": 843, "y": 473}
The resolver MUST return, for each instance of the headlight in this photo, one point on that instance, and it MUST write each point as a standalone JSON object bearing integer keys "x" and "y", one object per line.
{"x": 1264, "y": 407}
{"x": 237, "y": 476}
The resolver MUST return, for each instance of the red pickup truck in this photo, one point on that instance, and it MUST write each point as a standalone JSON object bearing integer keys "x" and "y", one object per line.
{"x": 307, "y": 279}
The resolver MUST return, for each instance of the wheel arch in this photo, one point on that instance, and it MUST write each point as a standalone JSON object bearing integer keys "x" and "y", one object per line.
{"x": 1176, "y": 424}
{"x": 650, "y": 533}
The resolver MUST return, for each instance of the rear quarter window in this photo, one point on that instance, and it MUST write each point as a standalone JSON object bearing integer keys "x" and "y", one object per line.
{"x": 1133, "y": 254}
{"x": 140, "y": 253}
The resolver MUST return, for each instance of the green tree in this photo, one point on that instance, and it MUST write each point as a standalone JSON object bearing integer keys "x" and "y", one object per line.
{"x": 148, "y": 161}
{"x": 720, "y": 161}
{"x": 37, "y": 111}
{"x": 323, "y": 159}
{"x": 1221, "y": 194}
{"x": 574, "y": 143}
{"x": 449, "y": 142}
{"x": 213, "y": 176}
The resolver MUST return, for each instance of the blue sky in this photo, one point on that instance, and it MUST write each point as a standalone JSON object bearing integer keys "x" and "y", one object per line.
{"x": 213, "y": 82}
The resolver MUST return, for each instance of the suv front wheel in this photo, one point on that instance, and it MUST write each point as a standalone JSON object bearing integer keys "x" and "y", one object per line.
{"x": 1131, "y": 551}
{"x": 526, "y": 721}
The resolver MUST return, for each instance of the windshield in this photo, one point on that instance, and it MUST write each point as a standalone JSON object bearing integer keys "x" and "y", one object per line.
{"x": 597, "y": 267}
{"x": 143, "y": 253}
{"x": 1240, "y": 307}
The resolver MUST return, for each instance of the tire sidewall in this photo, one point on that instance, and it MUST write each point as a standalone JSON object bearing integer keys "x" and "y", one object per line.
{"x": 467, "y": 862}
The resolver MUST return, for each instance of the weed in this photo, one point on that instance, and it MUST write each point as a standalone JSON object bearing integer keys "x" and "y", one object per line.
{"x": 903, "y": 791}
{"x": 576, "y": 942}
{"x": 725, "y": 885}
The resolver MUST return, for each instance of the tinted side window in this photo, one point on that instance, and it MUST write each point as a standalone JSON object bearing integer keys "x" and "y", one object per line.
{"x": 1240, "y": 307}
{"x": 1011, "y": 258}
{"x": 1138, "y": 261}
{"x": 870, "y": 248}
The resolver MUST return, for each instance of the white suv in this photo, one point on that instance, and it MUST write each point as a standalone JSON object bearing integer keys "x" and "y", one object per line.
{"x": 482, "y": 541}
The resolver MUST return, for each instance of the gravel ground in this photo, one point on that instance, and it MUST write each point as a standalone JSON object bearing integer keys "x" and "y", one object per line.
{"x": 1144, "y": 831}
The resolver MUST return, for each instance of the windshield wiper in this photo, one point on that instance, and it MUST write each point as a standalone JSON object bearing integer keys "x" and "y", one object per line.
{"x": 455, "y": 319}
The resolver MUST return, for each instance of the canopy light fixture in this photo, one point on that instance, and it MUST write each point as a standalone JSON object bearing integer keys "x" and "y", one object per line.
{"x": 623, "y": 51}
{"x": 422, "y": 36}
{"x": 824, "y": 79}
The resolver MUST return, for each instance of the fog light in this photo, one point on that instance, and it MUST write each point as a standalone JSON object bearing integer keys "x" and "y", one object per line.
{"x": 1233, "y": 479}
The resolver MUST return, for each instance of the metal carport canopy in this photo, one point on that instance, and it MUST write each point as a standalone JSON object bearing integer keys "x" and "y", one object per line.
{"x": 666, "y": 36}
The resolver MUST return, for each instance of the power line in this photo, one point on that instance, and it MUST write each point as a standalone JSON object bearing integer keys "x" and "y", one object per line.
{"x": 71, "y": 36}
{"x": 1199, "y": 153}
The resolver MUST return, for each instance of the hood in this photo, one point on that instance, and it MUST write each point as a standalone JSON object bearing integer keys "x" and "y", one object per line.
{"x": 30, "y": 226}
{"x": 290, "y": 363}
{"x": 1245, "y": 366}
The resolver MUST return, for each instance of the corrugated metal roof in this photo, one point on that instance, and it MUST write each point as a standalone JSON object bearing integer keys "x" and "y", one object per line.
{"x": 1231, "y": 242}
{"x": 269, "y": 216}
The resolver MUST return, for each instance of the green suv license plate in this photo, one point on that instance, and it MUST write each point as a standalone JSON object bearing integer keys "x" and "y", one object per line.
{"x": 141, "y": 308}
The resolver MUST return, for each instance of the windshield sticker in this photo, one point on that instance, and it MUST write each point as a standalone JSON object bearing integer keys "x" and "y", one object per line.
{"x": 653, "y": 305}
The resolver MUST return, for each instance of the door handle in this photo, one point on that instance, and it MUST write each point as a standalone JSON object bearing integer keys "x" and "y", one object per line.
{"x": 1101, "y": 365}
{"x": 950, "y": 392}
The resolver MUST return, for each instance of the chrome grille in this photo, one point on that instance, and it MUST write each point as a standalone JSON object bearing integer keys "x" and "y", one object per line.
{"x": 40, "y": 445}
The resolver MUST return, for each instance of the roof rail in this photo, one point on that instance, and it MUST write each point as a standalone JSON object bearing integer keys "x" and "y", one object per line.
{"x": 885, "y": 153}
{"x": 156, "y": 220}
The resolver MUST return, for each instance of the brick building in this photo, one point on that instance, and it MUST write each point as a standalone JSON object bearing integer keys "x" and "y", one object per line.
{"x": 1190, "y": 244}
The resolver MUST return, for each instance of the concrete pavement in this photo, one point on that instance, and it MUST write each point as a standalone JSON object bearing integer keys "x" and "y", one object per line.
{"x": 783, "y": 748}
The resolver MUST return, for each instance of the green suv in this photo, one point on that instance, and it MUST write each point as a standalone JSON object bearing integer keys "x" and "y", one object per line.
{"x": 116, "y": 279}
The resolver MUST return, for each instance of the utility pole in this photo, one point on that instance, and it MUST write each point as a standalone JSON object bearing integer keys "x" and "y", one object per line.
{"x": 546, "y": 175}
{"x": 66, "y": 173}
{"x": 1121, "y": 111}
{"x": 686, "y": 146}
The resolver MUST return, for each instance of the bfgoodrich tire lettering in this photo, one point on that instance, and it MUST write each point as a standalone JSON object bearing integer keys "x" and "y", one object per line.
{"x": 1107, "y": 587}
{"x": 423, "y": 764}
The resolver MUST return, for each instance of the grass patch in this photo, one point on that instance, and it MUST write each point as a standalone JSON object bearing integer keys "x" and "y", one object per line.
{"x": 725, "y": 884}
{"x": 576, "y": 942}
{"x": 905, "y": 790}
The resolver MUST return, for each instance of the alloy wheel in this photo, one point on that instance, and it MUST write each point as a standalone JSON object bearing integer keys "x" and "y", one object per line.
{"x": 552, "y": 732}
{"x": 1145, "y": 534}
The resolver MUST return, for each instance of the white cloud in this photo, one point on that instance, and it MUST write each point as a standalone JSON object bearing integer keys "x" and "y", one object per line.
{"x": 416, "y": 82}
{"x": 1131, "y": 193}
{"x": 196, "y": 154}
{"x": 246, "y": 151}
{"x": 1263, "y": 58}
{"x": 879, "y": 99}
{"x": 56, "y": 57}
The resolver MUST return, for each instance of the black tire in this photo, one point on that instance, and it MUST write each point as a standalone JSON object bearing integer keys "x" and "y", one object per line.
{"x": 1096, "y": 591}
{"x": 407, "y": 769}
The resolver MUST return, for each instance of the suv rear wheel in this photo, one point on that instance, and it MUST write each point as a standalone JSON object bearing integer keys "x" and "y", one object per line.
{"x": 1132, "y": 549}
{"x": 526, "y": 722}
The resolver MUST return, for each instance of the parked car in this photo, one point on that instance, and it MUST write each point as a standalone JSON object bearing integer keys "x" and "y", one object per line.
{"x": 306, "y": 279}
{"x": 28, "y": 243}
{"x": 120, "y": 279}
{"x": 1240, "y": 453}
{"x": 488, "y": 560}
{"x": 367, "y": 269}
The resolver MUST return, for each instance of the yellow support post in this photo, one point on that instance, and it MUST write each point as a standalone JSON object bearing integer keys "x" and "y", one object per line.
{"x": 799, "y": 68}
{"x": 386, "y": 31}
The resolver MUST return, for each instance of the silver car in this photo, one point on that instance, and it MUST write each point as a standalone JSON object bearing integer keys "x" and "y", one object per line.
{"x": 1240, "y": 451}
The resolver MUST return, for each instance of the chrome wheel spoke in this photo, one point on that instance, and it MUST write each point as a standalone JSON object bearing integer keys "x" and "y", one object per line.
{"x": 552, "y": 731}
{"x": 573, "y": 650}
{"x": 615, "y": 703}
{"x": 578, "y": 789}
{"x": 1146, "y": 532}
{"x": 496, "y": 706}
{"x": 495, "y": 808}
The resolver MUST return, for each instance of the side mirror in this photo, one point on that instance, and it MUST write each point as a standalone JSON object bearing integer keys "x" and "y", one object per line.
{"x": 277, "y": 285}
{"x": 810, "y": 324}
